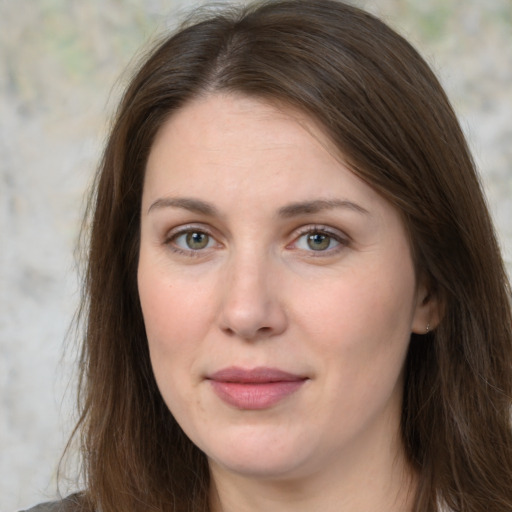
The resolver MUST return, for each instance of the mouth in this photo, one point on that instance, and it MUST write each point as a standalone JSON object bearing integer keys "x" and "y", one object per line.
{"x": 256, "y": 388}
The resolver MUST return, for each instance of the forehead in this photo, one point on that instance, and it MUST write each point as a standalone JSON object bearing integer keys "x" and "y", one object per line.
{"x": 250, "y": 149}
{"x": 238, "y": 114}
{"x": 227, "y": 132}
{"x": 249, "y": 161}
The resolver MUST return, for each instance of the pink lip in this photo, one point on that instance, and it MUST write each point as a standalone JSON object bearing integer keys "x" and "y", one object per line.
{"x": 254, "y": 389}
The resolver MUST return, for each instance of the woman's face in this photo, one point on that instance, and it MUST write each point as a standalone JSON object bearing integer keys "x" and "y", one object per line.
{"x": 278, "y": 292}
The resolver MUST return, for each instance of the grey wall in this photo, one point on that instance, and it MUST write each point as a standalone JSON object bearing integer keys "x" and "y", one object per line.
{"x": 60, "y": 63}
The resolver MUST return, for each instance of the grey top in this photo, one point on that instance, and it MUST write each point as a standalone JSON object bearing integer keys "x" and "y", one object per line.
{"x": 69, "y": 504}
{"x": 51, "y": 506}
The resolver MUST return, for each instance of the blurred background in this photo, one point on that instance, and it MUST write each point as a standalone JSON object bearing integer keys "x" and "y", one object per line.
{"x": 63, "y": 65}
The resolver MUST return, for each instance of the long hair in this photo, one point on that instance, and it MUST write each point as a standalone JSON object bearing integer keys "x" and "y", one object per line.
{"x": 385, "y": 111}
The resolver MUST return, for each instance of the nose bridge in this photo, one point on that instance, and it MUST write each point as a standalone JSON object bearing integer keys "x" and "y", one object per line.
{"x": 252, "y": 305}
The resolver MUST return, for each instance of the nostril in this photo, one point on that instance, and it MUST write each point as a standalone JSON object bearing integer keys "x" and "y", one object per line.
{"x": 248, "y": 333}
{"x": 229, "y": 331}
{"x": 251, "y": 311}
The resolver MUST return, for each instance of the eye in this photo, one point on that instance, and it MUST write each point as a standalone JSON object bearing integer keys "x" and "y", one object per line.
{"x": 318, "y": 240}
{"x": 192, "y": 240}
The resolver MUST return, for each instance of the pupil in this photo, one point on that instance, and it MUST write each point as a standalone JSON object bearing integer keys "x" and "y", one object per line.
{"x": 318, "y": 242}
{"x": 197, "y": 240}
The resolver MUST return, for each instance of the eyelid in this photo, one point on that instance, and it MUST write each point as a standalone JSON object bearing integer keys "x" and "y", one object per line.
{"x": 340, "y": 237}
{"x": 183, "y": 229}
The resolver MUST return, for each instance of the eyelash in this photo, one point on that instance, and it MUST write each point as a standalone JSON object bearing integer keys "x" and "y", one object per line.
{"x": 342, "y": 241}
{"x": 171, "y": 238}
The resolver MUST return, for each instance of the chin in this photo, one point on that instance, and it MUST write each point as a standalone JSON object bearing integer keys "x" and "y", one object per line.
{"x": 262, "y": 468}
{"x": 260, "y": 456}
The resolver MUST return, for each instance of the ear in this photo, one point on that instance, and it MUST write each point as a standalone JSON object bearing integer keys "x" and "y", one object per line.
{"x": 428, "y": 312}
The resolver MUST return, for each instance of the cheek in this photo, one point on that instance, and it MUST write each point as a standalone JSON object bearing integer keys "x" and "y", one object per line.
{"x": 361, "y": 342}
{"x": 174, "y": 308}
{"x": 170, "y": 318}
{"x": 362, "y": 324}
{"x": 360, "y": 305}
{"x": 178, "y": 317}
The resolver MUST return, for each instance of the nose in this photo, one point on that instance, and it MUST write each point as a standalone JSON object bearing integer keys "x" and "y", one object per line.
{"x": 252, "y": 307}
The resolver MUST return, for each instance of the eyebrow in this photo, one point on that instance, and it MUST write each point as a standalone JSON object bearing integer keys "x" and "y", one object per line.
{"x": 193, "y": 205}
{"x": 318, "y": 205}
{"x": 288, "y": 211}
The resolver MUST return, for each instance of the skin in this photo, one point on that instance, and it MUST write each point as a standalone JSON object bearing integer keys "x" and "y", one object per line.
{"x": 337, "y": 309}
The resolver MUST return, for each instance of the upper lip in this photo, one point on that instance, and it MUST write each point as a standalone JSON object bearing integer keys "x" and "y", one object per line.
{"x": 254, "y": 375}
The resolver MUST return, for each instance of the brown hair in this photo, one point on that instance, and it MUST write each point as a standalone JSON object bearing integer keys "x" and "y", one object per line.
{"x": 386, "y": 112}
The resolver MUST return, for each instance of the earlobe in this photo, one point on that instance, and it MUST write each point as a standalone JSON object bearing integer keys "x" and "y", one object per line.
{"x": 428, "y": 311}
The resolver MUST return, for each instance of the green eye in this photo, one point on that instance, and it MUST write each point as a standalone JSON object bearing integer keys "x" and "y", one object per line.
{"x": 318, "y": 241}
{"x": 197, "y": 240}
{"x": 193, "y": 240}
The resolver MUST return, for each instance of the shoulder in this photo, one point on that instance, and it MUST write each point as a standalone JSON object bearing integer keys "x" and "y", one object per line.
{"x": 72, "y": 503}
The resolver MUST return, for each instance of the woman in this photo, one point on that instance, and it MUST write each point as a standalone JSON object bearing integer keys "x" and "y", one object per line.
{"x": 294, "y": 298}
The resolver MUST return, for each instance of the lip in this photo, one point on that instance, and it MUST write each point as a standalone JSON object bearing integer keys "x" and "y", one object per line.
{"x": 255, "y": 388}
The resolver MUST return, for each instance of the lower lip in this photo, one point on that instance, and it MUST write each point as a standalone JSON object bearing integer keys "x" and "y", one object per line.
{"x": 255, "y": 396}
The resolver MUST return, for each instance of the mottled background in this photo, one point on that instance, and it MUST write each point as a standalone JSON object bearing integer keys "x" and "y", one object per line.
{"x": 62, "y": 67}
